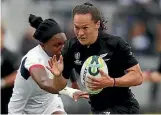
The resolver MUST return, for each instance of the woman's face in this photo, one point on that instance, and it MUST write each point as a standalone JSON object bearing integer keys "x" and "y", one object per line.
{"x": 55, "y": 45}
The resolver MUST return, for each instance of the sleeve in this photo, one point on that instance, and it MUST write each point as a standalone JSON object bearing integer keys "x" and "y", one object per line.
{"x": 30, "y": 62}
{"x": 125, "y": 54}
{"x": 73, "y": 75}
{"x": 68, "y": 60}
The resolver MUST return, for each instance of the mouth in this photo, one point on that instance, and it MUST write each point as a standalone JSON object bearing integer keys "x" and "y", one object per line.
{"x": 82, "y": 39}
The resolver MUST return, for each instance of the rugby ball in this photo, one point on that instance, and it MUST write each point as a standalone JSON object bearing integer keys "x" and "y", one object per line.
{"x": 90, "y": 67}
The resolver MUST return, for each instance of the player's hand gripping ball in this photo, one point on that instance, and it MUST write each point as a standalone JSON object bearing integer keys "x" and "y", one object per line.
{"x": 90, "y": 67}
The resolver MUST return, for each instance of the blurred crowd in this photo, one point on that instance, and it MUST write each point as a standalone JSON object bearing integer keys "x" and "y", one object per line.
{"x": 136, "y": 21}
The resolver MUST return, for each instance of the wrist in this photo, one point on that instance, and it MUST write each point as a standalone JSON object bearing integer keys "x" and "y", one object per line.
{"x": 58, "y": 76}
{"x": 68, "y": 91}
{"x": 114, "y": 82}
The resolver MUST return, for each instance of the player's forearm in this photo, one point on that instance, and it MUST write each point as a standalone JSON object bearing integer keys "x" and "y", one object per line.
{"x": 59, "y": 82}
{"x": 130, "y": 79}
{"x": 41, "y": 77}
{"x": 53, "y": 85}
{"x": 48, "y": 86}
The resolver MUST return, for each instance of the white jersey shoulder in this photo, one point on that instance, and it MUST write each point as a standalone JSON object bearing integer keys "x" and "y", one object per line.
{"x": 28, "y": 97}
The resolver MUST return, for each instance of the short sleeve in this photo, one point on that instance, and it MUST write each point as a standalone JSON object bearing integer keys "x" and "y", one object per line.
{"x": 67, "y": 59}
{"x": 125, "y": 54}
{"x": 30, "y": 62}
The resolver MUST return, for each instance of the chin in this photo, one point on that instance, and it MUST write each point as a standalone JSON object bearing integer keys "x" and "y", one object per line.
{"x": 83, "y": 42}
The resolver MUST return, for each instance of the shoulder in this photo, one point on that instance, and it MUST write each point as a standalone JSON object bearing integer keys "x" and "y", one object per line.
{"x": 110, "y": 40}
{"x": 33, "y": 55}
{"x": 34, "y": 52}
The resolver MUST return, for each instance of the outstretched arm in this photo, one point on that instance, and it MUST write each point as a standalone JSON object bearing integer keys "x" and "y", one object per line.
{"x": 132, "y": 78}
{"x": 41, "y": 77}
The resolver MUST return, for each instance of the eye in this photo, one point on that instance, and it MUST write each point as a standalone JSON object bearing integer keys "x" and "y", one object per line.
{"x": 76, "y": 28}
{"x": 58, "y": 45}
{"x": 85, "y": 28}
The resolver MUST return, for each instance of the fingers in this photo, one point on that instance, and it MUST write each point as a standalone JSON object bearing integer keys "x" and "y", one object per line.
{"x": 86, "y": 96}
{"x": 61, "y": 59}
{"x": 93, "y": 87}
{"x": 92, "y": 79}
{"x": 92, "y": 83}
{"x": 102, "y": 72}
{"x": 50, "y": 62}
{"x": 54, "y": 59}
{"x": 49, "y": 68}
{"x": 76, "y": 98}
{"x": 78, "y": 95}
{"x": 81, "y": 96}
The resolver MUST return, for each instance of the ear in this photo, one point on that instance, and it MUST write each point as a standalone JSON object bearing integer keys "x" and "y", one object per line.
{"x": 98, "y": 24}
{"x": 42, "y": 44}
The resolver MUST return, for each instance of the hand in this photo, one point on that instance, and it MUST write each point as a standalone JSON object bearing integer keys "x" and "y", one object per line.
{"x": 80, "y": 94}
{"x": 56, "y": 67}
{"x": 146, "y": 75}
{"x": 99, "y": 83}
{"x": 155, "y": 77}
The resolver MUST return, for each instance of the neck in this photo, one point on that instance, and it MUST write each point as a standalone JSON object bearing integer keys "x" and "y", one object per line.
{"x": 45, "y": 51}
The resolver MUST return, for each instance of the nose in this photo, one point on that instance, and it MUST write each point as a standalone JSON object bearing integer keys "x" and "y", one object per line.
{"x": 81, "y": 32}
{"x": 61, "y": 47}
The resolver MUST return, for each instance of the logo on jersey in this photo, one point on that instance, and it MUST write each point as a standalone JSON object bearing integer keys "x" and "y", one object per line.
{"x": 59, "y": 106}
{"x": 103, "y": 56}
{"x": 106, "y": 113}
{"x": 77, "y": 59}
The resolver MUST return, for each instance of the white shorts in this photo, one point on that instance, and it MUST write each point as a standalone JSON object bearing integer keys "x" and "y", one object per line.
{"x": 56, "y": 105}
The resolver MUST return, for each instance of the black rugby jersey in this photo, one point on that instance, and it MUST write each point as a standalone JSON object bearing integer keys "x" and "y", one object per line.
{"x": 118, "y": 57}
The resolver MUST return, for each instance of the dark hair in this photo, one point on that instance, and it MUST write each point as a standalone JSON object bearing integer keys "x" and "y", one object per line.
{"x": 90, "y": 8}
{"x": 44, "y": 29}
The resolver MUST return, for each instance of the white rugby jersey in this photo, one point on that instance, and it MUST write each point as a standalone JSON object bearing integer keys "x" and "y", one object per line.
{"x": 28, "y": 97}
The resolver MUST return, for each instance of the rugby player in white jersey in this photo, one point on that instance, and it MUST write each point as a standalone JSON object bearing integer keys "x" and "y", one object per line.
{"x": 34, "y": 90}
